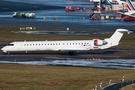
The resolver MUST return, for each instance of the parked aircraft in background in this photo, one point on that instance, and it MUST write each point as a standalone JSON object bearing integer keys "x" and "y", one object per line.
{"x": 131, "y": 12}
{"x": 70, "y": 45}
{"x": 100, "y": 4}
{"x": 113, "y": 1}
{"x": 106, "y": 2}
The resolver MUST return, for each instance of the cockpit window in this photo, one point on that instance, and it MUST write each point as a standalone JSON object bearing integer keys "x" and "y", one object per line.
{"x": 10, "y": 45}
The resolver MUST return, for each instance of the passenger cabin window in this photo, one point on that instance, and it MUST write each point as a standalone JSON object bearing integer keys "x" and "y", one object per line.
{"x": 10, "y": 45}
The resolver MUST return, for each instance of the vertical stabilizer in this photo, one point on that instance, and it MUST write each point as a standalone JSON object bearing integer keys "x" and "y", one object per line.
{"x": 130, "y": 5}
{"x": 116, "y": 37}
{"x": 105, "y": 2}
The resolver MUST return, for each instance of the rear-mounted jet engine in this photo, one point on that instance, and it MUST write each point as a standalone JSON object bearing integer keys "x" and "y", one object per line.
{"x": 98, "y": 42}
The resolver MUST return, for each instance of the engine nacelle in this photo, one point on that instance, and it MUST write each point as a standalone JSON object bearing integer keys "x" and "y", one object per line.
{"x": 98, "y": 42}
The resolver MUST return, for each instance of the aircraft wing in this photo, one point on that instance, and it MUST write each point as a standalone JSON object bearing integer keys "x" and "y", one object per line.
{"x": 126, "y": 14}
{"x": 131, "y": 16}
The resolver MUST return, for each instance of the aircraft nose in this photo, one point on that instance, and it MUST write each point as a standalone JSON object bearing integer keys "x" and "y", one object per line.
{"x": 4, "y": 49}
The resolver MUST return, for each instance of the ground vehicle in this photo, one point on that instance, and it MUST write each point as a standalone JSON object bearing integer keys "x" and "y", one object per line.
{"x": 72, "y": 9}
{"x": 67, "y": 8}
{"x": 83, "y": 8}
{"x": 24, "y": 15}
{"x": 128, "y": 18}
{"x": 78, "y": 8}
{"x": 95, "y": 16}
{"x": 16, "y": 14}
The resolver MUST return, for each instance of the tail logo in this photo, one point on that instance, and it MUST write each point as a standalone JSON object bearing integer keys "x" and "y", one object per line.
{"x": 102, "y": 1}
{"x": 128, "y": 7}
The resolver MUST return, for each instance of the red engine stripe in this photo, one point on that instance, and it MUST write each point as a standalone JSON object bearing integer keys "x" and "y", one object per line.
{"x": 96, "y": 42}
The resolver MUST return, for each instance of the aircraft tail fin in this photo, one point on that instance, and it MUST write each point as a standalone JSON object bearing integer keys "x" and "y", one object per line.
{"x": 130, "y": 5}
{"x": 116, "y": 37}
{"x": 105, "y": 2}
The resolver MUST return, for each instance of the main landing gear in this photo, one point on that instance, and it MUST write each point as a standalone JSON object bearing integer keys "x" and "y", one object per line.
{"x": 71, "y": 53}
{"x": 8, "y": 53}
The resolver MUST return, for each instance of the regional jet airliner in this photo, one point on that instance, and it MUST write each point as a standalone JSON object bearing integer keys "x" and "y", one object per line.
{"x": 66, "y": 45}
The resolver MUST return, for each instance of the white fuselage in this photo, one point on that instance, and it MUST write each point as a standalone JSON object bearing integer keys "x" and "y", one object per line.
{"x": 130, "y": 13}
{"x": 73, "y": 45}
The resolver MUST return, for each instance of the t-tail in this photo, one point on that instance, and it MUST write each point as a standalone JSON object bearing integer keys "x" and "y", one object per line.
{"x": 115, "y": 38}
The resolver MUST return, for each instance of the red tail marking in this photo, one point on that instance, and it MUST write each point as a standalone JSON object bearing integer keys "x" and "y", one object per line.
{"x": 129, "y": 8}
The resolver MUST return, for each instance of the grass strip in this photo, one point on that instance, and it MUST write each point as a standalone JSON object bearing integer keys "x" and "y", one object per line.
{"x": 29, "y": 77}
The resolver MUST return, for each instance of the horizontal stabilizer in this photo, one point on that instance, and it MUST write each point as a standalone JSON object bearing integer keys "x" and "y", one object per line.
{"x": 126, "y": 32}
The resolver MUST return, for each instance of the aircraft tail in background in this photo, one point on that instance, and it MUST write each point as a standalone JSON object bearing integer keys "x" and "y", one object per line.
{"x": 105, "y": 2}
{"x": 130, "y": 5}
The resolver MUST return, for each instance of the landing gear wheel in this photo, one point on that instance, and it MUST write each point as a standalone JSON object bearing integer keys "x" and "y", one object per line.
{"x": 8, "y": 53}
{"x": 71, "y": 53}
